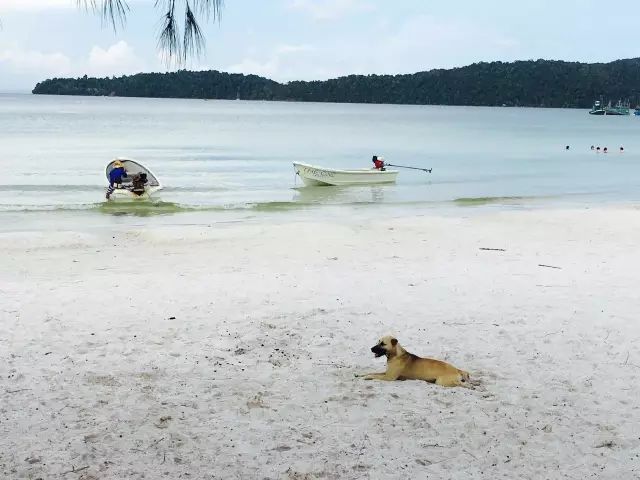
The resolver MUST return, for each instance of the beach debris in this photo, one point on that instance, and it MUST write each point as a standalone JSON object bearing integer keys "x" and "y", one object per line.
{"x": 606, "y": 444}
{"x": 154, "y": 443}
{"x": 282, "y": 448}
{"x": 92, "y": 437}
{"x": 549, "y": 266}
{"x": 172, "y": 318}
{"x": 256, "y": 402}
{"x": 16, "y": 391}
{"x": 626, "y": 360}
{"x": 163, "y": 422}
{"x": 547, "y": 428}
{"x": 75, "y": 470}
{"x": 493, "y": 249}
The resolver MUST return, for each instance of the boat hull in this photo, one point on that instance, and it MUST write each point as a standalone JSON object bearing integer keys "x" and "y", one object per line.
{"x": 126, "y": 195}
{"x": 318, "y": 176}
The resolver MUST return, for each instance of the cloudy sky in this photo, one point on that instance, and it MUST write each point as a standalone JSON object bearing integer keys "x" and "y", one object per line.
{"x": 317, "y": 39}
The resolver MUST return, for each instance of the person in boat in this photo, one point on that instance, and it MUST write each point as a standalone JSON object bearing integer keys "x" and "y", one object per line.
{"x": 621, "y": 149}
{"x": 378, "y": 163}
{"x": 116, "y": 175}
{"x": 592, "y": 147}
{"x": 138, "y": 182}
{"x": 605, "y": 150}
{"x": 598, "y": 150}
{"x": 567, "y": 147}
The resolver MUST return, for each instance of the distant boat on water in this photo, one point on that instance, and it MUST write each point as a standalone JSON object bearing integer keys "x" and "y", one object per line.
{"x": 621, "y": 108}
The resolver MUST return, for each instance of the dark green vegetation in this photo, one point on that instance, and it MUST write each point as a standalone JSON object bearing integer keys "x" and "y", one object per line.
{"x": 541, "y": 83}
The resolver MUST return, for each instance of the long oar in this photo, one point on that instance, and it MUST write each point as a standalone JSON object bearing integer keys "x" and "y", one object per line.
{"x": 428, "y": 170}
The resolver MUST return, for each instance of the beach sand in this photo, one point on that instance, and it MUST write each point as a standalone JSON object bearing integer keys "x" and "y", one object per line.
{"x": 230, "y": 351}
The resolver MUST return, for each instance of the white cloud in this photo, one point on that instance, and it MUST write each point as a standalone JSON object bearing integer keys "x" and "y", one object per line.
{"x": 330, "y": 9}
{"x": 118, "y": 59}
{"x": 420, "y": 43}
{"x": 433, "y": 43}
{"x": 21, "y": 61}
{"x": 19, "y": 67}
{"x": 21, "y": 5}
{"x": 284, "y": 62}
{"x": 39, "y": 5}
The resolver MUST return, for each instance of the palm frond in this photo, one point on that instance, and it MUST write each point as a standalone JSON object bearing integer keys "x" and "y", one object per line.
{"x": 173, "y": 47}
{"x": 193, "y": 41}
{"x": 168, "y": 39}
{"x": 113, "y": 12}
{"x": 209, "y": 8}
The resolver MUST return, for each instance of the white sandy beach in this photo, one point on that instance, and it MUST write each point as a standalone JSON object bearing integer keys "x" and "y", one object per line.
{"x": 230, "y": 351}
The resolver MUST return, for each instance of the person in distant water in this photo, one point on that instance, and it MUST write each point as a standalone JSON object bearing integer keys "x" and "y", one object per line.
{"x": 621, "y": 149}
{"x": 592, "y": 147}
{"x": 116, "y": 175}
{"x": 378, "y": 163}
{"x": 598, "y": 149}
{"x": 567, "y": 147}
{"x": 604, "y": 150}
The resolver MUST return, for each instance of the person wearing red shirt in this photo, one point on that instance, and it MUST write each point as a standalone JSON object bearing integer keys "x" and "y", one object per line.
{"x": 378, "y": 162}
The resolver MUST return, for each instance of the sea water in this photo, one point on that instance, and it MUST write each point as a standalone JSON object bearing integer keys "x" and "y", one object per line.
{"x": 232, "y": 160}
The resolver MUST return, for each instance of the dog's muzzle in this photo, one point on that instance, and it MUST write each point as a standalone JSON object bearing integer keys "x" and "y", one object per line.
{"x": 379, "y": 351}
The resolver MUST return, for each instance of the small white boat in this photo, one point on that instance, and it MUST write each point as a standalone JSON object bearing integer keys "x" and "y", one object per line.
{"x": 128, "y": 190}
{"x": 312, "y": 175}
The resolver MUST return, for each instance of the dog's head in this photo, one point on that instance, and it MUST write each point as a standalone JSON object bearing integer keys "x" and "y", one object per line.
{"x": 386, "y": 346}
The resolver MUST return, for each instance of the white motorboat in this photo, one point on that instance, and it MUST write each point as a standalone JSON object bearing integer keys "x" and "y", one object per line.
{"x": 139, "y": 184}
{"x": 312, "y": 175}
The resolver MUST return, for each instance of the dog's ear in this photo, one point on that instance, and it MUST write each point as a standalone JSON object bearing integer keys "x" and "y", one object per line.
{"x": 394, "y": 341}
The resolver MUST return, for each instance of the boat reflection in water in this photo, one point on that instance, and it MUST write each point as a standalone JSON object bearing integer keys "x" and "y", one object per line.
{"x": 333, "y": 195}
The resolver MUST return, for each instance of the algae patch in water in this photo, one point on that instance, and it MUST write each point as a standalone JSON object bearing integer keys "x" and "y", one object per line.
{"x": 141, "y": 208}
{"x": 478, "y": 201}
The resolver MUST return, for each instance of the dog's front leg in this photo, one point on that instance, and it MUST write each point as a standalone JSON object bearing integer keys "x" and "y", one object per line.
{"x": 369, "y": 376}
{"x": 387, "y": 376}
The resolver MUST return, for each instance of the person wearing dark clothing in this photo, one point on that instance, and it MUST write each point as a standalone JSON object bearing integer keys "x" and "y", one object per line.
{"x": 138, "y": 183}
{"x": 115, "y": 177}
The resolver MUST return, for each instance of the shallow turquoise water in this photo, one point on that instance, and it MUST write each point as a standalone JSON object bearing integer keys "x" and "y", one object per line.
{"x": 232, "y": 159}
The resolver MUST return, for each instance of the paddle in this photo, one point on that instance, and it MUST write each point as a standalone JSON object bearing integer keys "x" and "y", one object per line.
{"x": 428, "y": 170}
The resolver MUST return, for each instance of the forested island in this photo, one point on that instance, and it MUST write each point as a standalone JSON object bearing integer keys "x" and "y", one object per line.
{"x": 539, "y": 83}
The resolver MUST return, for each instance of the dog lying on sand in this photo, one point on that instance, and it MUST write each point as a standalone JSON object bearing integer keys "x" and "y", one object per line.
{"x": 402, "y": 365}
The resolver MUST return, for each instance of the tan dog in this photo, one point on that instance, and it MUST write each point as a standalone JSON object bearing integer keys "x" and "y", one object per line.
{"x": 402, "y": 365}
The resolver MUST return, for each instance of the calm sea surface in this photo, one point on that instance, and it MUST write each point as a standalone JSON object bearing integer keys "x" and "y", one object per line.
{"x": 231, "y": 160}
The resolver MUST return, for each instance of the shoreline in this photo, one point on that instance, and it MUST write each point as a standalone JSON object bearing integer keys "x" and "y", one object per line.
{"x": 212, "y": 352}
{"x": 303, "y": 102}
{"x": 105, "y": 217}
